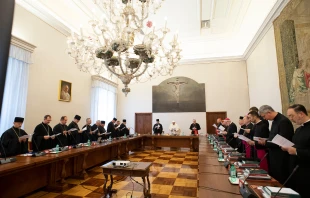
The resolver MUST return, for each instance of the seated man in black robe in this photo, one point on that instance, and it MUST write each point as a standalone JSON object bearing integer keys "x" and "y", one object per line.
{"x": 194, "y": 127}
{"x": 62, "y": 140}
{"x": 111, "y": 128}
{"x": 74, "y": 137}
{"x": 300, "y": 152}
{"x": 157, "y": 128}
{"x": 13, "y": 141}
{"x": 43, "y": 137}
{"x": 123, "y": 129}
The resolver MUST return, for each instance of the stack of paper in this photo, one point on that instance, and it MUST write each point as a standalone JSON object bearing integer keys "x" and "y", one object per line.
{"x": 281, "y": 141}
{"x": 222, "y": 128}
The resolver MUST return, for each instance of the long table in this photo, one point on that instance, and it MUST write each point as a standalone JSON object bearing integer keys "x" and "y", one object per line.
{"x": 213, "y": 176}
{"x": 28, "y": 174}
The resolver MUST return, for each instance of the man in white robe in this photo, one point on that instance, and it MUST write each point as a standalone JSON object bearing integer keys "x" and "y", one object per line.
{"x": 174, "y": 128}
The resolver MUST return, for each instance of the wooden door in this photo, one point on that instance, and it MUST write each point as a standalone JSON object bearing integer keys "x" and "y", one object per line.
{"x": 211, "y": 119}
{"x": 143, "y": 123}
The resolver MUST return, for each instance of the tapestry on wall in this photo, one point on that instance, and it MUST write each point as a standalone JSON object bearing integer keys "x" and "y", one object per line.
{"x": 292, "y": 34}
{"x": 179, "y": 94}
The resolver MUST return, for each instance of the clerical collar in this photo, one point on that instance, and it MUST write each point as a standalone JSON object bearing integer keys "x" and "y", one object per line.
{"x": 258, "y": 122}
{"x": 305, "y": 122}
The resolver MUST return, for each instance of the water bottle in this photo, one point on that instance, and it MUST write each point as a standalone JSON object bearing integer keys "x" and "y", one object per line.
{"x": 57, "y": 148}
{"x": 214, "y": 146}
{"x": 220, "y": 154}
{"x": 211, "y": 142}
{"x": 88, "y": 142}
{"x": 110, "y": 139}
{"x": 183, "y": 133}
{"x": 232, "y": 172}
{"x": 125, "y": 136}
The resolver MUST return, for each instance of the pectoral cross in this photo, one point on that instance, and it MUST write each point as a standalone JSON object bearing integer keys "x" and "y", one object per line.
{"x": 176, "y": 90}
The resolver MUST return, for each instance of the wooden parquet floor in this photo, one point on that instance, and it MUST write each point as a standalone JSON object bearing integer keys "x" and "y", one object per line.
{"x": 173, "y": 175}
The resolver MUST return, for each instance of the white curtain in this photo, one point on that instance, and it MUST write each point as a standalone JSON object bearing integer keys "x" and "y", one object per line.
{"x": 103, "y": 100}
{"x": 16, "y": 86}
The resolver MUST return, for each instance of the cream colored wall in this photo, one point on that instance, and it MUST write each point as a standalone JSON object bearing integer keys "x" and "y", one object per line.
{"x": 51, "y": 64}
{"x": 263, "y": 75}
{"x": 226, "y": 89}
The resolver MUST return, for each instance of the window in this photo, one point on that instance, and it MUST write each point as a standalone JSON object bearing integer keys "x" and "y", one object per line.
{"x": 16, "y": 87}
{"x": 103, "y": 99}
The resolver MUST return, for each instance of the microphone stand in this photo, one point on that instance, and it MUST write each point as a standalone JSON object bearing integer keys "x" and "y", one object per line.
{"x": 289, "y": 177}
{"x": 76, "y": 144}
{"x": 38, "y": 153}
{"x": 6, "y": 160}
{"x": 63, "y": 148}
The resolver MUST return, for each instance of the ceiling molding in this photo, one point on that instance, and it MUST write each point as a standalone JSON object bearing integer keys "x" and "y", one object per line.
{"x": 197, "y": 61}
{"x": 22, "y": 44}
{"x": 267, "y": 24}
{"x": 42, "y": 12}
{"x": 45, "y": 14}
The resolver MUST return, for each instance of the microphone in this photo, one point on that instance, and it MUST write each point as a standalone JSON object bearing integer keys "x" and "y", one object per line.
{"x": 76, "y": 144}
{"x": 263, "y": 158}
{"x": 63, "y": 147}
{"x": 289, "y": 177}
{"x": 38, "y": 153}
{"x": 244, "y": 190}
{"x": 6, "y": 160}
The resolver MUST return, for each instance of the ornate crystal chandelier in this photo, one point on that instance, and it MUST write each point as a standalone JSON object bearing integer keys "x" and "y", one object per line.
{"x": 125, "y": 44}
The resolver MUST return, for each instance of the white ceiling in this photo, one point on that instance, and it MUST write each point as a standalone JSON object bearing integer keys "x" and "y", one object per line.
{"x": 234, "y": 24}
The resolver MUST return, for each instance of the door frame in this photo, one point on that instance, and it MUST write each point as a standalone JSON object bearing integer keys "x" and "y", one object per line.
{"x": 144, "y": 113}
{"x": 214, "y": 112}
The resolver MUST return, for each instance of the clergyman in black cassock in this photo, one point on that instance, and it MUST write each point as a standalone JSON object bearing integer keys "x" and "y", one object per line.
{"x": 11, "y": 140}
{"x": 157, "y": 128}
{"x": 101, "y": 131}
{"x": 117, "y": 128}
{"x": 240, "y": 132}
{"x": 111, "y": 128}
{"x": 194, "y": 127}
{"x": 300, "y": 152}
{"x": 94, "y": 135}
{"x": 231, "y": 129}
{"x": 260, "y": 131}
{"x": 43, "y": 138}
{"x": 62, "y": 140}
{"x": 86, "y": 134}
{"x": 278, "y": 159}
{"x": 74, "y": 137}
{"x": 123, "y": 129}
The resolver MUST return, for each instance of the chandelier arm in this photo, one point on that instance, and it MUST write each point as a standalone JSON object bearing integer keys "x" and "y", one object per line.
{"x": 107, "y": 66}
{"x": 111, "y": 11}
{"x": 135, "y": 71}
{"x": 146, "y": 65}
{"x": 120, "y": 63}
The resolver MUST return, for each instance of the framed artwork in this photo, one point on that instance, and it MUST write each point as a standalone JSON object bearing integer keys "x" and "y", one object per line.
{"x": 65, "y": 90}
{"x": 179, "y": 94}
{"x": 292, "y": 36}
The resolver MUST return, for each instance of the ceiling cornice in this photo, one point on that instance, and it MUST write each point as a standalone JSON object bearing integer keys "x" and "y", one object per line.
{"x": 22, "y": 44}
{"x": 267, "y": 24}
{"x": 60, "y": 25}
{"x": 197, "y": 61}
{"x": 42, "y": 12}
